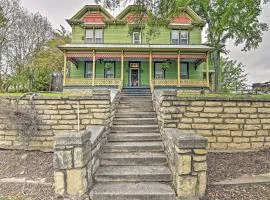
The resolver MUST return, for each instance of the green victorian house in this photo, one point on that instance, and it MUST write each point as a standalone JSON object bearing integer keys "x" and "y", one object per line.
{"x": 105, "y": 52}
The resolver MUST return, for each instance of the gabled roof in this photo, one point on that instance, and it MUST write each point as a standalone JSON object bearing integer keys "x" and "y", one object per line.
{"x": 122, "y": 14}
{"x": 101, "y": 12}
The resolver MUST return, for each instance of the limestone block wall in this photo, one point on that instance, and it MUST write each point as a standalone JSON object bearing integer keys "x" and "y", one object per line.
{"x": 55, "y": 115}
{"x": 228, "y": 124}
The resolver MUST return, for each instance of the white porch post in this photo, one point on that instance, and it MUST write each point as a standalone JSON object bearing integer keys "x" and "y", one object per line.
{"x": 179, "y": 68}
{"x": 122, "y": 67}
{"x": 65, "y": 68}
{"x": 207, "y": 69}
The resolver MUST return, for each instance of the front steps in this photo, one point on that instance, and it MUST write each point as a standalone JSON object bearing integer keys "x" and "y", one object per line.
{"x": 134, "y": 165}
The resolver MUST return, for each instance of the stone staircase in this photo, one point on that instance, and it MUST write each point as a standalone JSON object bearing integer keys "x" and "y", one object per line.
{"x": 134, "y": 165}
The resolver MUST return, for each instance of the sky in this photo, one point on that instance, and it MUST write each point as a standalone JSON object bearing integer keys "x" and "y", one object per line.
{"x": 257, "y": 62}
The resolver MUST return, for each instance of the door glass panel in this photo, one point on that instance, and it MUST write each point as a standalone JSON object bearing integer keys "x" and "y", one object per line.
{"x": 134, "y": 77}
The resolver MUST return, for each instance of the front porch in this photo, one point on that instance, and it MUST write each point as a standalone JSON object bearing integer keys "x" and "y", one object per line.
{"x": 132, "y": 68}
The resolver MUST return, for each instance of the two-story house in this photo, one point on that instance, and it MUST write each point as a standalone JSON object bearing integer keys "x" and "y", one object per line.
{"x": 107, "y": 51}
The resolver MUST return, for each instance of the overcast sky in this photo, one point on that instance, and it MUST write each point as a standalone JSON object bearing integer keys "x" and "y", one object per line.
{"x": 257, "y": 62}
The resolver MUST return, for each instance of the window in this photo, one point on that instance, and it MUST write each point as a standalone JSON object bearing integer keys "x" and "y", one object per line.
{"x": 99, "y": 36}
{"x": 175, "y": 37}
{"x": 94, "y": 36}
{"x": 89, "y": 36}
{"x": 109, "y": 72}
{"x": 88, "y": 72}
{"x": 183, "y": 37}
{"x": 179, "y": 37}
{"x": 159, "y": 72}
{"x": 184, "y": 71}
{"x": 136, "y": 37}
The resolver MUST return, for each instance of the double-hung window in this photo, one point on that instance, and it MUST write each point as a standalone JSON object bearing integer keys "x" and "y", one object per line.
{"x": 88, "y": 72}
{"x": 109, "y": 72}
{"x": 179, "y": 37}
{"x": 94, "y": 36}
{"x": 159, "y": 72}
{"x": 137, "y": 37}
{"x": 184, "y": 71}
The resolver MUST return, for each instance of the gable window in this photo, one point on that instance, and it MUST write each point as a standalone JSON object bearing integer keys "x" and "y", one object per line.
{"x": 184, "y": 71}
{"x": 94, "y": 36}
{"x": 159, "y": 72}
{"x": 137, "y": 38}
{"x": 88, "y": 71}
{"x": 109, "y": 72}
{"x": 179, "y": 37}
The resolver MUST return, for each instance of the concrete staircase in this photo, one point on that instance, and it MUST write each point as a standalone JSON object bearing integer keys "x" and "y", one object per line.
{"x": 134, "y": 165}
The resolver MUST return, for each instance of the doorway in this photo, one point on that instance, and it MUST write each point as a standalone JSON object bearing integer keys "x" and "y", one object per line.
{"x": 134, "y": 74}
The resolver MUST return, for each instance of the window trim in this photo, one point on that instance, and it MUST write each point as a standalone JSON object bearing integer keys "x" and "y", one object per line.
{"x": 94, "y": 35}
{"x": 133, "y": 41}
{"x": 164, "y": 71}
{"x": 179, "y": 35}
{"x": 114, "y": 64}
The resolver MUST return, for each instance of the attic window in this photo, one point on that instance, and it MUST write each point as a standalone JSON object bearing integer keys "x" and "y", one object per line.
{"x": 137, "y": 37}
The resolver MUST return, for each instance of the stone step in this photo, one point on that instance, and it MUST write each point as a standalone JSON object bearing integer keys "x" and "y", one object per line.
{"x": 132, "y": 191}
{"x": 133, "y": 147}
{"x": 135, "y": 128}
{"x": 134, "y": 121}
{"x": 135, "y": 105}
{"x": 136, "y": 115}
{"x": 122, "y": 137}
{"x": 141, "y": 109}
{"x": 133, "y": 174}
{"x": 137, "y": 158}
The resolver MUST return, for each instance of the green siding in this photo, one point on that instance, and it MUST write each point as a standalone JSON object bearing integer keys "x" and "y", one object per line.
{"x": 163, "y": 38}
{"x": 78, "y": 34}
{"x": 195, "y": 36}
{"x": 117, "y": 34}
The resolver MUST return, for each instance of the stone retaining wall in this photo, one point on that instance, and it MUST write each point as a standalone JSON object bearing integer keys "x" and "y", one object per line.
{"x": 76, "y": 160}
{"x": 58, "y": 114}
{"x": 228, "y": 124}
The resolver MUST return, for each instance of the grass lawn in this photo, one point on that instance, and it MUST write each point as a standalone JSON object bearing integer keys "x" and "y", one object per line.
{"x": 45, "y": 94}
{"x": 228, "y": 96}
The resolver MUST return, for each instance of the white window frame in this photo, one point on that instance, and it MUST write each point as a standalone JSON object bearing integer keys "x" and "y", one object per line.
{"x": 159, "y": 74}
{"x": 140, "y": 37}
{"x": 112, "y": 70}
{"x": 175, "y": 31}
{"x": 180, "y": 39}
{"x": 94, "y": 35}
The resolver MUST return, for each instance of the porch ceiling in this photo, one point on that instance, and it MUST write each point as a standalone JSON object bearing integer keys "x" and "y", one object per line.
{"x": 133, "y": 47}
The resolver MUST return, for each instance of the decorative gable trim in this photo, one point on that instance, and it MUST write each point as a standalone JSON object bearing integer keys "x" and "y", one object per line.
{"x": 93, "y": 18}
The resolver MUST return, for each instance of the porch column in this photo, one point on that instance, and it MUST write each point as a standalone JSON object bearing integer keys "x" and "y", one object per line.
{"x": 122, "y": 67}
{"x": 179, "y": 69}
{"x": 150, "y": 67}
{"x": 94, "y": 68}
{"x": 65, "y": 68}
{"x": 207, "y": 69}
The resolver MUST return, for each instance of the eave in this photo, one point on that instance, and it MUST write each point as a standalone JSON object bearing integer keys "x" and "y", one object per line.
{"x": 133, "y": 47}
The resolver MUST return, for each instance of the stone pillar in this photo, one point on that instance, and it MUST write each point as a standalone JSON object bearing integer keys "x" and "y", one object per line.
{"x": 72, "y": 163}
{"x": 187, "y": 153}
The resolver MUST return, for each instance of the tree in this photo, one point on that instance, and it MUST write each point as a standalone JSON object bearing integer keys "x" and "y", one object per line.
{"x": 50, "y": 59}
{"x": 225, "y": 20}
{"x": 233, "y": 76}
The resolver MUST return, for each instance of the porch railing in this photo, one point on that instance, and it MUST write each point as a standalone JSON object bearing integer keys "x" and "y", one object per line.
{"x": 98, "y": 81}
{"x": 183, "y": 83}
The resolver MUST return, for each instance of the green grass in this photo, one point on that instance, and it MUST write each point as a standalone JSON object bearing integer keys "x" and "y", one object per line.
{"x": 11, "y": 198}
{"x": 230, "y": 96}
{"x": 45, "y": 94}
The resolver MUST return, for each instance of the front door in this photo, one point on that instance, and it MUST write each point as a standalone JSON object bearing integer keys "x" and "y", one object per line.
{"x": 134, "y": 74}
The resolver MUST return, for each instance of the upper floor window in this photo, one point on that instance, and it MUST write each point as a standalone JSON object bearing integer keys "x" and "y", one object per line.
{"x": 137, "y": 38}
{"x": 179, "y": 37}
{"x": 94, "y": 36}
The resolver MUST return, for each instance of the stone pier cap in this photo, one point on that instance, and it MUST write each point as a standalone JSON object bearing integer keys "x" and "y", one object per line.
{"x": 73, "y": 138}
{"x": 185, "y": 139}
